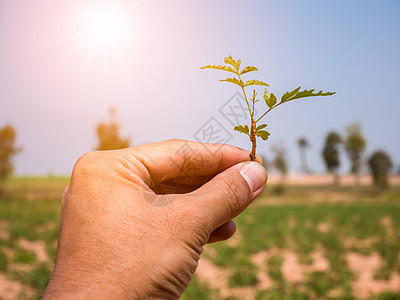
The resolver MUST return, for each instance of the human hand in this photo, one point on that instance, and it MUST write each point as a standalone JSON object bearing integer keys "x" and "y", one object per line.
{"x": 120, "y": 239}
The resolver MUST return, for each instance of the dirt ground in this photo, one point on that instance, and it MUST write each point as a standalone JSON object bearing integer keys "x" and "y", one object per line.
{"x": 11, "y": 289}
{"x": 363, "y": 266}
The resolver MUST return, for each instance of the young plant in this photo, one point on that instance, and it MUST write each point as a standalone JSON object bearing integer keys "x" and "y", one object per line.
{"x": 233, "y": 66}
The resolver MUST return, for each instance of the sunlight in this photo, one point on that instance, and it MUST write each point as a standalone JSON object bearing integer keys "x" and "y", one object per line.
{"x": 104, "y": 31}
{"x": 105, "y": 27}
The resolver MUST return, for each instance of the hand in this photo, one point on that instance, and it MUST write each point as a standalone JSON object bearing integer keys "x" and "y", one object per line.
{"x": 133, "y": 221}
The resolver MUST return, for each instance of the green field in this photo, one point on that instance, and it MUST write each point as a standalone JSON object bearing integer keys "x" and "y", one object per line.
{"x": 303, "y": 243}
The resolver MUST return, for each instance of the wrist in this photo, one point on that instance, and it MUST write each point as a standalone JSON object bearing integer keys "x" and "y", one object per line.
{"x": 76, "y": 286}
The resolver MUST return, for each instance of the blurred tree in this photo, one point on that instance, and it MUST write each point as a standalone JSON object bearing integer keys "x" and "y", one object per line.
{"x": 279, "y": 161}
{"x": 330, "y": 154}
{"x": 8, "y": 150}
{"x": 355, "y": 144}
{"x": 280, "y": 164}
{"x": 303, "y": 145}
{"x": 108, "y": 134}
{"x": 380, "y": 165}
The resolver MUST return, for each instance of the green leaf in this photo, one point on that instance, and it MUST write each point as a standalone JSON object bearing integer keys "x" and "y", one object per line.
{"x": 235, "y": 81}
{"x": 229, "y": 60}
{"x": 295, "y": 94}
{"x": 263, "y": 134}
{"x": 248, "y": 69}
{"x": 286, "y": 96}
{"x": 261, "y": 127}
{"x": 266, "y": 95}
{"x": 270, "y": 99}
{"x": 310, "y": 93}
{"x": 236, "y": 64}
{"x": 223, "y": 68}
{"x": 255, "y": 82}
{"x": 243, "y": 129}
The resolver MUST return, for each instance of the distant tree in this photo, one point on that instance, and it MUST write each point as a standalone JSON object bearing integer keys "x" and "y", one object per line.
{"x": 280, "y": 164}
{"x": 303, "y": 145}
{"x": 355, "y": 144}
{"x": 279, "y": 161}
{"x": 108, "y": 134}
{"x": 8, "y": 150}
{"x": 380, "y": 165}
{"x": 330, "y": 154}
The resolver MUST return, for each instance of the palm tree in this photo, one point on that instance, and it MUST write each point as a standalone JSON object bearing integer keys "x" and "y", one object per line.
{"x": 303, "y": 145}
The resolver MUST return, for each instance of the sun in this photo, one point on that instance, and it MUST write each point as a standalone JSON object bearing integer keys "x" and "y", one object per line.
{"x": 104, "y": 29}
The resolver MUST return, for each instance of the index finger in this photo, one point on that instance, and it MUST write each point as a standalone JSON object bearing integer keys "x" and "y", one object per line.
{"x": 177, "y": 158}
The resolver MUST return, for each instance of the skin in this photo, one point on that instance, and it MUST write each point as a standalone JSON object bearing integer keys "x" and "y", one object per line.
{"x": 120, "y": 239}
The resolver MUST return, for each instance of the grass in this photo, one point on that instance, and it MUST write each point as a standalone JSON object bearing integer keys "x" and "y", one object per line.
{"x": 24, "y": 256}
{"x": 3, "y": 262}
{"x": 35, "y": 188}
{"x": 359, "y": 220}
{"x": 290, "y": 222}
{"x": 28, "y": 211}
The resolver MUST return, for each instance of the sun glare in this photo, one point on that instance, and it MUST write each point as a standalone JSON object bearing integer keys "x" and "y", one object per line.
{"x": 105, "y": 27}
{"x": 104, "y": 30}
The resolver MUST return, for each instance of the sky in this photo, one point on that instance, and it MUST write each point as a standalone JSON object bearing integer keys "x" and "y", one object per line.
{"x": 62, "y": 69}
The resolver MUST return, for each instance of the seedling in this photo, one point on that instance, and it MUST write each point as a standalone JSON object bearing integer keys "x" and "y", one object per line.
{"x": 233, "y": 66}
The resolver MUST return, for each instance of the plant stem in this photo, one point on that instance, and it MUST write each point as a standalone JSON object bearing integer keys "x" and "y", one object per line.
{"x": 253, "y": 136}
{"x": 254, "y": 101}
{"x": 253, "y": 126}
{"x": 245, "y": 96}
{"x": 253, "y": 139}
{"x": 267, "y": 112}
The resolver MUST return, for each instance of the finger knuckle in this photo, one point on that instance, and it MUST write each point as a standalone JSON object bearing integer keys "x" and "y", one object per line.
{"x": 87, "y": 163}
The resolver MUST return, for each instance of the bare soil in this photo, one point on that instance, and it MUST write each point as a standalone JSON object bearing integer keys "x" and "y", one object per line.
{"x": 9, "y": 289}
{"x": 38, "y": 247}
{"x": 363, "y": 266}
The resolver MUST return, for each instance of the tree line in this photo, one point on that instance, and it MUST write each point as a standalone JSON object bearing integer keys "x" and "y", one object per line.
{"x": 107, "y": 133}
{"x": 353, "y": 143}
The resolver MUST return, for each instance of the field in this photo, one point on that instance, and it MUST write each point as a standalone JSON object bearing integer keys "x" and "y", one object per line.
{"x": 297, "y": 242}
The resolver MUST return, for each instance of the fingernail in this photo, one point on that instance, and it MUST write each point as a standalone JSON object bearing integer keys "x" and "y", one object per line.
{"x": 254, "y": 174}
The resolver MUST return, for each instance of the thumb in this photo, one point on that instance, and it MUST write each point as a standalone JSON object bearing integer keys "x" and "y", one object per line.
{"x": 229, "y": 193}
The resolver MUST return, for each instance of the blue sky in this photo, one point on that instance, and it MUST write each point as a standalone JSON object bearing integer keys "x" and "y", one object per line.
{"x": 54, "y": 88}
